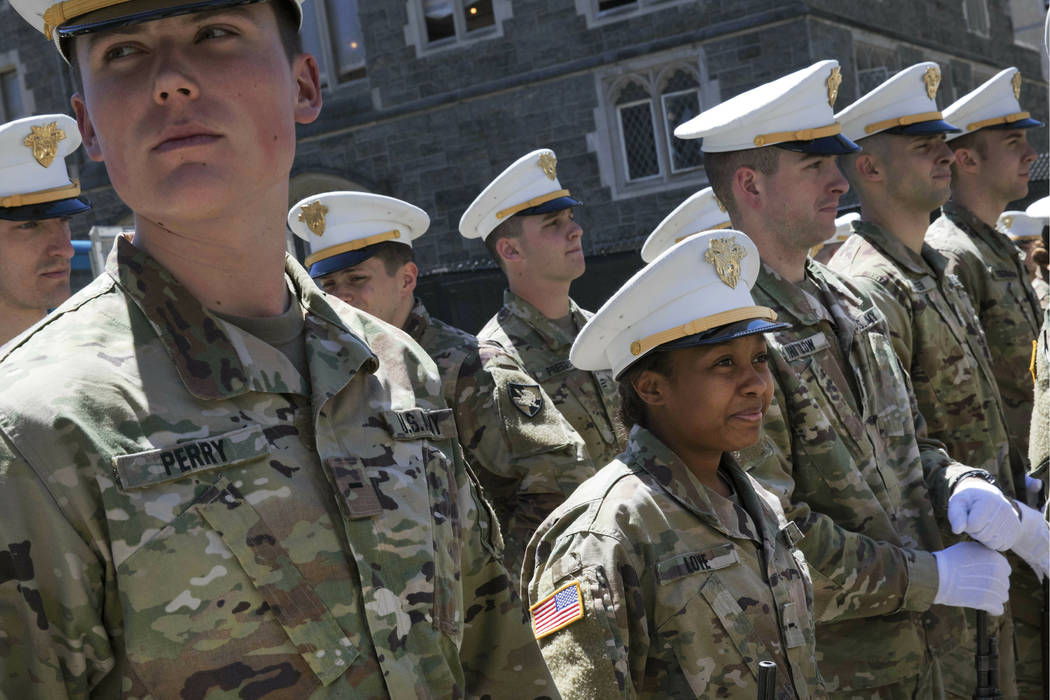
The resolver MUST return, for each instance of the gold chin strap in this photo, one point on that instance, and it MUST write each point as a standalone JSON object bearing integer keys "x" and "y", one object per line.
{"x": 534, "y": 202}
{"x": 902, "y": 121}
{"x": 800, "y": 135}
{"x": 700, "y": 325}
{"x": 1015, "y": 117}
{"x": 352, "y": 245}
{"x": 51, "y": 195}
{"x": 60, "y": 13}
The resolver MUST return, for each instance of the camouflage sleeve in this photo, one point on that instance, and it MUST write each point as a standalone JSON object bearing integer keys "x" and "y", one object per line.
{"x": 54, "y": 635}
{"x": 895, "y": 306}
{"x": 499, "y": 653}
{"x": 854, "y": 576}
{"x": 527, "y": 456}
{"x": 600, "y": 654}
{"x": 971, "y": 272}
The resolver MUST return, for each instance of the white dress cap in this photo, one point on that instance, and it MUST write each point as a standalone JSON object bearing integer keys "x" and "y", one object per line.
{"x": 1040, "y": 208}
{"x": 699, "y": 286}
{"x": 992, "y": 104}
{"x": 906, "y": 103}
{"x": 701, "y": 212}
{"x": 61, "y": 19}
{"x": 528, "y": 186}
{"x": 1020, "y": 226}
{"x": 33, "y": 169}
{"x": 795, "y": 110}
{"x": 343, "y": 227}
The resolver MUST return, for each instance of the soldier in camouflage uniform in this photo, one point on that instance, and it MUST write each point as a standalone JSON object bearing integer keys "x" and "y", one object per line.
{"x": 672, "y": 573}
{"x": 901, "y": 176}
{"x": 526, "y": 221}
{"x": 251, "y": 502}
{"x": 846, "y": 450}
{"x": 992, "y": 157}
{"x": 527, "y": 456}
{"x": 1039, "y": 443}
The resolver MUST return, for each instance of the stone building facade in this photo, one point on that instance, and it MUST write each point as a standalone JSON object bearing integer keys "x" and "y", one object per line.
{"x": 427, "y": 100}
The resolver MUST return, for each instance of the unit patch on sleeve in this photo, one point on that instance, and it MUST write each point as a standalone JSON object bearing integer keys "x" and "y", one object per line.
{"x": 526, "y": 398}
{"x": 558, "y": 610}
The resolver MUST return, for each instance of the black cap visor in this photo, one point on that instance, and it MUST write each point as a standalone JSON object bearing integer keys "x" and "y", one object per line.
{"x": 121, "y": 15}
{"x": 45, "y": 210}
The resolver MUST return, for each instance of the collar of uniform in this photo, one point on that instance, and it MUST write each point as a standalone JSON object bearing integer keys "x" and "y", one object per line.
{"x": 647, "y": 452}
{"x": 208, "y": 361}
{"x": 890, "y": 246}
{"x": 787, "y": 299}
{"x": 552, "y": 335}
{"x": 968, "y": 221}
{"x": 418, "y": 320}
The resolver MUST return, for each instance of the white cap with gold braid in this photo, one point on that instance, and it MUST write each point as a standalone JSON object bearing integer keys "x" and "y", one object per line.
{"x": 528, "y": 186}
{"x": 904, "y": 104}
{"x": 696, "y": 292}
{"x": 34, "y": 180}
{"x": 992, "y": 105}
{"x": 343, "y": 228}
{"x": 1020, "y": 226}
{"x": 700, "y": 212}
{"x": 795, "y": 112}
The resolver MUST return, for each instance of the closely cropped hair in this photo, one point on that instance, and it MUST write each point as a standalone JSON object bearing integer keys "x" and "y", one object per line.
{"x": 973, "y": 141}
{"x": 511, "y": 228}
{"x": 633, "y": 410}
{"x": 721, "y": 167}
{"x": 287, "y": 26}
{"x": 394, "y": 255}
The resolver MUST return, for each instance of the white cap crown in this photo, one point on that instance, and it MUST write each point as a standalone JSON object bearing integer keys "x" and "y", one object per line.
{"x": 700, "y": 212}
{"x": 33, "y": 155}
{"x": 993, "y": 103}
{"x": 907, "y": 98}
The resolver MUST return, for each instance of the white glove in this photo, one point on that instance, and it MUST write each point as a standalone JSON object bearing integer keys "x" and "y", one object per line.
{"x": 1034, "y": 543}
{"x": 972, "y": 576}
{"x": 984, "y": 513}
{"x": 1033, "y": 486}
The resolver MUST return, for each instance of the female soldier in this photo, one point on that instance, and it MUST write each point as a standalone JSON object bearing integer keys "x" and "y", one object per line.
{"x": 671, "y": 573}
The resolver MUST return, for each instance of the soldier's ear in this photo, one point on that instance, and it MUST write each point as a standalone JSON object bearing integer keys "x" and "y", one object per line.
{"x": 966, "y": 160}
{"x": 651, "y": 387}
{"x": 87, "y": 130}
{"x": 746, "y": 189}
{"x": 407, "y": 277}
{"x": 508, "y": 249}
{"x": 868, "y": 167}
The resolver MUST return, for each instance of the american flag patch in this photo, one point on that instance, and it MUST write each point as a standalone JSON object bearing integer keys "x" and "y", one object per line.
{"x": 557, "y": 610}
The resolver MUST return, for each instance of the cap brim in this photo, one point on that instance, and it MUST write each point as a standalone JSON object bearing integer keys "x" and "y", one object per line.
{"x": 836, "y": 145}
{"x": 341, "y": 261}
{"x": 1026, "y": 123}
{"x": 45, "y": 210}
{"x": 720, "y": 334}
{"x": 553, "y": 205}
{"x": 118, "y": 15}
{"x": 933, "y": 126}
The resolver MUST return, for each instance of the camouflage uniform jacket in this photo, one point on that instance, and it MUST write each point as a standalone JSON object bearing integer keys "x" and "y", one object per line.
{"x": 1039, "y": 447}
{"x": 590, "y": 401}
{"x": 184, "y": 515}
{"x": 684, "y": 591}
{"x": 858, "y": 476}
{"x": 939, "y": 341}
{"x": 526, "y": 455}
{"x": 988, "y": 264}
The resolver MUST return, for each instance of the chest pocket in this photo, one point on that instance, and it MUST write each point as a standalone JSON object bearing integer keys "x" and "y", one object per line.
{"x": 884, "y": 380}
{"x": 208, "y": 545}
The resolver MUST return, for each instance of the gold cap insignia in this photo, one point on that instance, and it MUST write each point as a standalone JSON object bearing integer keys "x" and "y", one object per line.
{"x": 932, "y": 78}
{"x": 313, "y": 214}
{"x": 549, "y": 165}
{"x": 721, "y": 207}
{"x": 725, "y": 254}
{"x": 1016, "y": 82}
{"x": 44, "y": 142}
{"x": 834, "y": 80}
{"x": 1008, "y": 221}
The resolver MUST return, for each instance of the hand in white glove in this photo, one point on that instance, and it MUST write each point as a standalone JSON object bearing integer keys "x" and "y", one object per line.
{"x": 1034, "y": 543}
{"x": 984, "y": 513}
{"x": 972, "y": 576}
{"x": 1033, "y": 487}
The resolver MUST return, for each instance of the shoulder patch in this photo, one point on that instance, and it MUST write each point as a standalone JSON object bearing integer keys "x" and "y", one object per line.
{"x": 558, "y": 610}
{"x": 805, "y": 347}
{"x": 527, "y": 398}
{"x": 710, "y": 559}
{"x": 170, "y": 463}
{"x": 421, "y": 424}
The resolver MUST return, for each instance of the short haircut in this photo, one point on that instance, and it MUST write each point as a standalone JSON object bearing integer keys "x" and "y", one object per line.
{"x": 393, "y": 255}
{"x": 973, "y": 141}
{"x": 873, "y": 146}
{"x": 721, "y": 167}
{"x": 511, "y": 228}
{"x": 633, "y": 410}
{"x": 287, "y": 27}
